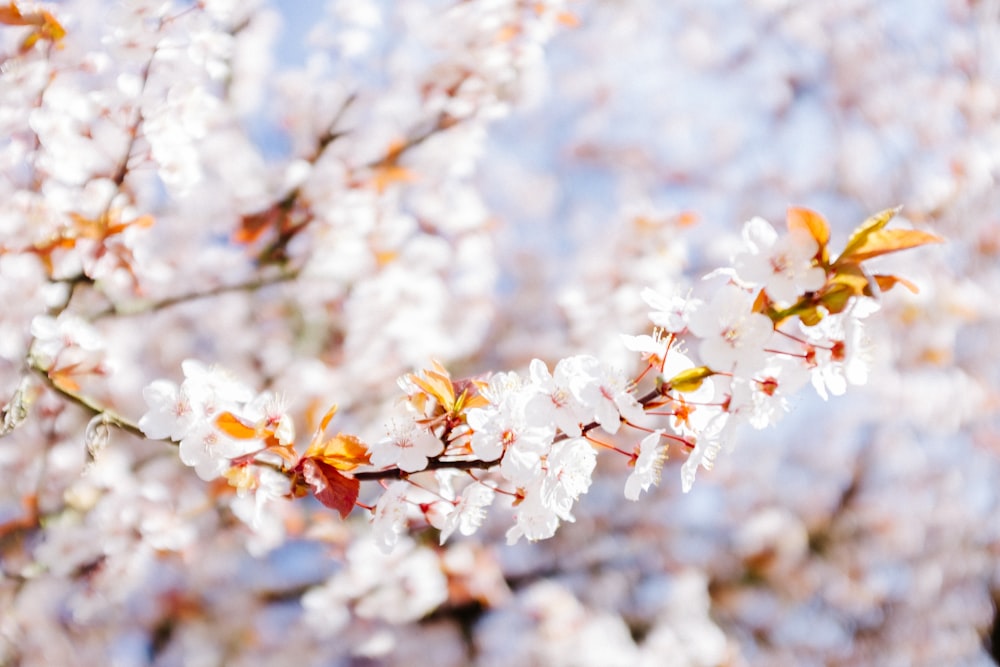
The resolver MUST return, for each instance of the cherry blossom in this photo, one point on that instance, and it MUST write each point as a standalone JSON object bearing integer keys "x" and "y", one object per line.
{"x": 230, "y": 227}
{"x": 469, "y": 512}
{"x": 408, "y": 447}
{"x": 603, "y": 392}
{"x": 554, "y": 402}
{"x": 730, "y": 334}
{"x": 389, "y": 518}
{"x": 783, "y": 265}
{"x": 66, "y": 342}
{"x": 840, "y": 356}
{"x": 170, "y": 413}
{"x": 649, "y": 457}
{"x": 671, "y": 312}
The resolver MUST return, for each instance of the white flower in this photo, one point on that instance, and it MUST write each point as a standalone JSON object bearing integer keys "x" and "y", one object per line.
{"x": 650, "y": 454}
{"x": 469, "y": 512}
{"x": 554, "y": 403}
{"x": 66, "y": 342}
{"x": 652, "y": 348}
{"x": 670, "y": 313}
{"x": 409, "y": 584}
{"x": 569, "y": 469}
{"x": 522, "y": 459}
{"x": 605, "y": 394}
{"x": 170, "y": 414}
{"x": 706, "y": 449}
{"x": 268, "y": 412}
{"x": 731, "y": 333}
{"x": 408, "y": 446}
{"x": 389, "y": 519}
{"x": 770, "y": 389}
{"x": 214, "y": 388}
{"x": 534, "y": 518}
{"x": 325, "y": 608}
{"x": 500, "y": 429}
{"x": 842, "y": 353}
{"x": 782, "y": 265}
{"x": 210, "y": 452}
{"x": 503, "y": 390}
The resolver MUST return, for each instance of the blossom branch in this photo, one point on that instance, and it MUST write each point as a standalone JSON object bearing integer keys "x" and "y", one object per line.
{"x": 248, "y": 286}
{"x": 111, "y": 417}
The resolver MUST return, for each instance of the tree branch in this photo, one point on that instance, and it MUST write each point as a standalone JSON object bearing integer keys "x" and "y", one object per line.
{"x": 247, "y": 286}
{"x": 111, "y": 417}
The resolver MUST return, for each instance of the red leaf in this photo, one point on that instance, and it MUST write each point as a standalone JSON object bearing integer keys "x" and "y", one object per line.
{"x": 254, "y": 225}
{"x": 330, "y": 487}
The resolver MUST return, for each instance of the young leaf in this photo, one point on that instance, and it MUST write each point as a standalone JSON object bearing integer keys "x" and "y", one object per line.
{"x": 437, "y": 383}
{"x": 848, "y": 275}
{"x": 343, "y": 451}
{"x": 814, "y": 224}
{"x": 836, "y": 298}
{"x": 235, "y": 427}
{"x": 872, "y": 224}
{"x": 327, "y": 417}
{"x": 690, "y": 379}
{"x": 886, "y": 283}
{"x": 885, "y": 241}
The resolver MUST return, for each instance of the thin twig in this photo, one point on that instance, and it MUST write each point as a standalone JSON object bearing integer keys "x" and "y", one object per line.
{"x": 434, "y": 464}
{"x": 247, "y": 286}
{"x": 92, "y": 406}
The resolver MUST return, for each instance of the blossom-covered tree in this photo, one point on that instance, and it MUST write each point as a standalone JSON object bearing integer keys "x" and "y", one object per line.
{"x": 299, "y": 367}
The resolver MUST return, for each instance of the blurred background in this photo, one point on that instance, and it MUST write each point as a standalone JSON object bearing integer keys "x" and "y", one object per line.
{"x": 560, "y": 157}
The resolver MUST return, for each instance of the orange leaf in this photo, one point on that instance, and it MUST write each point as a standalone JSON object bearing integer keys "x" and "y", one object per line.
{"x": 886, "y": 283}
{"x": 11, "y": 15}
{"x": 45, "y": 25}
{"x": 568, "y": 19}
{"x": 437, "y": 383}
{"x": 761, "y": 304}
{"x": 333, "y": 489}
{"x": 344, "y": 452}
{"x": 811, "y": 222}
{"x": 848, "y": 276}
{"x": 254, "y": 225}
{"x": 388, "y": 170}
{"x": 884, "y": 241}
{"x": 470, "y": 397}
{"x": 384, "y": 257}
{"x": 872, "y": 224}
{"x": 327, "y": 417}
{"x": 235, "y": 427}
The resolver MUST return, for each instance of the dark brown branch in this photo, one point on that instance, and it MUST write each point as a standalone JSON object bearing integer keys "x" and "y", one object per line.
{"x": 477, "y": 464}
{"x": 433, "y": 464}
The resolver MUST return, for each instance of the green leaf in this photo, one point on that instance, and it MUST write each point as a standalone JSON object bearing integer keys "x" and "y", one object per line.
{"x": 836, "y": 298}
{"x": 690, "y": 379}
{"x": 811, "y": 316}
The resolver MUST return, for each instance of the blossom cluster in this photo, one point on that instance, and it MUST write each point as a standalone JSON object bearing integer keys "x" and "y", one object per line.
{"x": 359, "y": 330}
{"x": 534, "y": 437}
